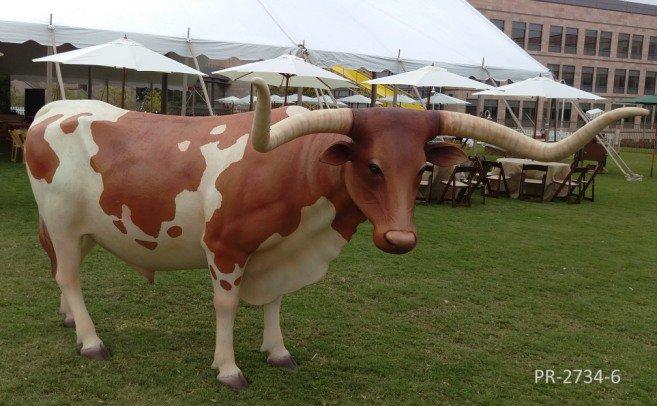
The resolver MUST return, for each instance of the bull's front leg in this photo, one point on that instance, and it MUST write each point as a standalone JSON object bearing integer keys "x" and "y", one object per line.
{"x": 226, "y": 300}
{"x": 272, "y": 337}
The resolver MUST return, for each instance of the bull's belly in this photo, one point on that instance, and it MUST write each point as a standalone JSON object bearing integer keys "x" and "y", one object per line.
{"x": 283, "y": 265}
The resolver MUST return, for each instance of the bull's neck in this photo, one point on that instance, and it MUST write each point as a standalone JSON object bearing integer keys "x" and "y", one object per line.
{"x": 331, "y": 180}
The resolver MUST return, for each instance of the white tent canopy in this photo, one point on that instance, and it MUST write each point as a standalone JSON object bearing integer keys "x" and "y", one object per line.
{"x": 430, "y": 76}
{"x": 539, "y": 87}
{"x": 230, "y": 100}
{"x": 441, "y": 98}
{"x": 277, "y": 72}
{"x": 397, "y": 35}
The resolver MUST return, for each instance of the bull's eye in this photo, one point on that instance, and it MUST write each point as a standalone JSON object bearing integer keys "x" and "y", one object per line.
{"x": 374, "y": 169}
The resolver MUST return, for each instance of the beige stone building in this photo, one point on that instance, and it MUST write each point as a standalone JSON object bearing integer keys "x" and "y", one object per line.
{"x": 608, "y": 47}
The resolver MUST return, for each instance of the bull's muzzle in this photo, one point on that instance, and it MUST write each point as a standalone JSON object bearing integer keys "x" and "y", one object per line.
{"x": 400, "y": 241}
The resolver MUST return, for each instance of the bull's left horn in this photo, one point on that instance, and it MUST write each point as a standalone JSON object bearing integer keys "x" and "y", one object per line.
{"x": 319, "y": 121}
{"x": 465, "y": 125}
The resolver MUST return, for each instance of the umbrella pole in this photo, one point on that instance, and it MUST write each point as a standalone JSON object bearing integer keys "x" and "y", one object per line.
{"x": 123, "y": 89}
{"x": 429, "y": 98}
{"x": 535, "y": 118}
{"x": 287, "y": 84}
{"x": 89, "y": 85}
{"x": 250, "y": 99}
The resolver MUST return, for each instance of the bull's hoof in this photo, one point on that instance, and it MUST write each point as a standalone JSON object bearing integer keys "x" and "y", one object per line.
{"x": 234, "y": 382}
{"x": 98, "y": 353}
{"x": 69, "y": 322}
{"x": 283, "y": 362}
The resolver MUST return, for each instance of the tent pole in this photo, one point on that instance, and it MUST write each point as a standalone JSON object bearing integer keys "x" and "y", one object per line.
{"x": 58, "y": 69}
{"x": 89, "y": 85}
{"x": 200, "y": 77}
{"x": 299, "y": 96}
{"x": 373, "y": 92}
{"x": 183, "y": 99}
{"x": 49, "y": 97}
{"x": 394, "y": 95}
{"x": 123, "y": 88}
{"x": 535, "y": 118}
{"x": 319, "y": 100}
{"x": 429, "y": 98}
{"x": 287, "y": 84}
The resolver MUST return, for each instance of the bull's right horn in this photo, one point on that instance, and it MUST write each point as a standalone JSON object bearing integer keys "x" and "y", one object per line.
{"x": 468, "y": 126}
{"x": 311, "y": 122}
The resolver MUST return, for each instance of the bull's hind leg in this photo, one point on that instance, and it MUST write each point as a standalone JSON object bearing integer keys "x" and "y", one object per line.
{"x": 69, "y": 252}
{"x": 272, "y": 337}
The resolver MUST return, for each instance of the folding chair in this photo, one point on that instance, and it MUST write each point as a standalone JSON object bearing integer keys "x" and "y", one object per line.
{"x": 572, "y": 182}
{"x": 463, "y": 181}
{"x": 498, "y": 178}
{"x": 426, "y": 186}
{"x": 17, "y": 145}
{"x": 591, "y": 172}
{"x": 529, "y": 182}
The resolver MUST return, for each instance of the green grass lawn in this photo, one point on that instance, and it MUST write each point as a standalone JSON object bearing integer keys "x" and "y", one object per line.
{"x": 490, "y": 294}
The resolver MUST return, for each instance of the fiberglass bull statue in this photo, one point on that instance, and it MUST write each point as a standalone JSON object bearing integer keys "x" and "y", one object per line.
{"x": 264, "y": 207}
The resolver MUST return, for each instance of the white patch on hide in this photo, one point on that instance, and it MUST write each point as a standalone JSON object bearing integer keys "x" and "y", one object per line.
{"x": 182, "y": 146}
{"x": 218, "y": 129}
{"x": 293, "y": 110}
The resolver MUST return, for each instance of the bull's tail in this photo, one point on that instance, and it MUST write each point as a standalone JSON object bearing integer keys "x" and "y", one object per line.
{"x": 46, "y": 243}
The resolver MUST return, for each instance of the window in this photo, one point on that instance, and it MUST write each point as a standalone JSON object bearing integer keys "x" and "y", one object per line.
{"x": 619, "y": 80}
{"x": 535, "y": 37}
{"x": 556, "y": 38}
{"x": 554, "y": 69}
{"x": 568, "y": 75}
{"x": 570, "y": 46}
{"x": 498, "y": 23}
{"x": 652, "y": 49}
{"x": 605, "y": 44}
{"x": 587, "y": 79}
{"x": 490, "y": 105}
{"x": 623, "y": 45}
{"x": 637, "y": 46}
{"x": 601, "y": 79}
{"x": 633, "y": 82}
{"x": 590, "y": 42}
{"x": 651, "y": 80}
{"x": 518, "y": 33}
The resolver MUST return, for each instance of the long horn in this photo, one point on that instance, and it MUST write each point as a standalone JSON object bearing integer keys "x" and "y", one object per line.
{"x": 465, "y": 125}
{"x": 319, "y": 121}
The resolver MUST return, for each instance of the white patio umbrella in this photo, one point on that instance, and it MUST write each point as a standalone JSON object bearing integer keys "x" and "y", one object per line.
{"x": 274, "y": 99}
{"x": 357, "y": 99}
{"x": 430, "y": 76}
{"x": 401, "y": 98}
{"x": 539, "y": 87}
{"x": 230, "y": 100}
{"x": 121, "y": 53}
{"x": 441, "y": 98}
{"x": 287, "y": 71}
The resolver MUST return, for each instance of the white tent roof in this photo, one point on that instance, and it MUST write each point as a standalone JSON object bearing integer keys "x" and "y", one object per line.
{"x": 397, "y": 35}
{"x": 230, "y": 100}
{"x": 274, "y": 72}
{"x": 430, "y": 76}
{"x": 121, "y": 53}
{"x": 539, "y": 87}
{"x": 358, "y": 99}
{"x": 441, "y": 98}
{"x": 401, "y": 98}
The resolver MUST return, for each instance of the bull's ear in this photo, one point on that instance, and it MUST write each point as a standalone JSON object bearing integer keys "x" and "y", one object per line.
{"x": 445, "y": 154}
{"x": 337, "y": 154}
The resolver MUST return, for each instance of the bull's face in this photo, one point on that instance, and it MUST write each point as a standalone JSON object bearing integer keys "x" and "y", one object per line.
{"x": 383, "y": 166}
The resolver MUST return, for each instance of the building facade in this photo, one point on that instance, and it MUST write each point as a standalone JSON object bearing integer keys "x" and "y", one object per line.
{"x": 608, "y": 47}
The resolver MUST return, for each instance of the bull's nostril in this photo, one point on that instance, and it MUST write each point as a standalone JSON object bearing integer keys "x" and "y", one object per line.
{"x": 401, "y": 239}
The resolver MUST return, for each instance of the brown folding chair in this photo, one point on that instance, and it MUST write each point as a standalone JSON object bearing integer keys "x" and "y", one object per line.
{"x": 572, "y": 182}
{"x": 588, "y": 181}
{"x": 426, "y": 186}
{"x": 17, "y": 144}
{"x": 462, "y": 183}
{"x": 531, "y": 182}
{"x": 498, "y": 179}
